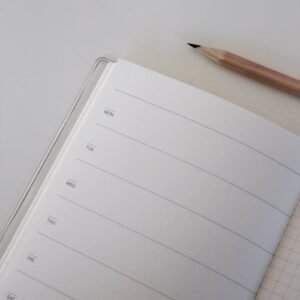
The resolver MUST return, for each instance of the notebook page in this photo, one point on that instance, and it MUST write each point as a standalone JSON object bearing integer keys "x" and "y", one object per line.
{"x": 282, "y": 280}
{"x": 164, "y": 192}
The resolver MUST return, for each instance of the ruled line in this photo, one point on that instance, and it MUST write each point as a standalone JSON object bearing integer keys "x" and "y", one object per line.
{"x": 194, "y": 166}
{"x": 106, "y": 266}
{"x": 176, "y": 204}
{"x": 44, "y": 284}
{"x": 156, "y": 242}
{"x": 209, "y": 128}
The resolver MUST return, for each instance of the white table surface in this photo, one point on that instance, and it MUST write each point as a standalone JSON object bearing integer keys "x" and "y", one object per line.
{"x": 48, "y": 47}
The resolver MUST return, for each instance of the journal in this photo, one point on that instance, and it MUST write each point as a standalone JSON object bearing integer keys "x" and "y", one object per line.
{"x": 153, "y": 189}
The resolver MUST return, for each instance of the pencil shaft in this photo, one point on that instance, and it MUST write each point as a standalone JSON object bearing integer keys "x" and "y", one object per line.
{"x": 253, "y": 70}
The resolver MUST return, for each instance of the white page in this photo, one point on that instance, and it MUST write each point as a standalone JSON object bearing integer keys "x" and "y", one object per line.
{"x": 164, "y": 192}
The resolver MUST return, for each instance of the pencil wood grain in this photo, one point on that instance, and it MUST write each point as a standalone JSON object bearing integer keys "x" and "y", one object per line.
{"x": 253, "y": 70}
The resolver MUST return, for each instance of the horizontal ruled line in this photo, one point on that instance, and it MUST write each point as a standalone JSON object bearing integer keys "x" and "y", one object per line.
{"x": 209, "y": 128}
{"x": 175, "y": 203}
{"x": 156, "y": 242}
{"x": 44, "y": 284}
{"x": 195, "y": 167}
{"x": 106, "y": 266}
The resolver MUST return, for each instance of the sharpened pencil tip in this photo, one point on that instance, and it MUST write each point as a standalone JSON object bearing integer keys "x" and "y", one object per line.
{"x": 194, "y": 45}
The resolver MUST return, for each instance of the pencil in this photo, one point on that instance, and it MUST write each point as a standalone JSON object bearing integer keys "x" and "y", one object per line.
{"x": 251, "y": 69}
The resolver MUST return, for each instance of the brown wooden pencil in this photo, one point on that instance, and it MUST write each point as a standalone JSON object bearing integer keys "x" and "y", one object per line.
{"x": 251, "y": 69}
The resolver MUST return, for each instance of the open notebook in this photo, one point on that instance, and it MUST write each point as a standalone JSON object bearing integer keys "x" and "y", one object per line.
{"x": 156, "y": 190}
